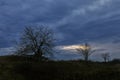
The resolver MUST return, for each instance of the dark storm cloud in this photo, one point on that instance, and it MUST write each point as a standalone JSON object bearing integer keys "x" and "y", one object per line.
{"x": 74, "y": 21}
{"x": 94, "y": 21}
{"x": 16, "y": 14}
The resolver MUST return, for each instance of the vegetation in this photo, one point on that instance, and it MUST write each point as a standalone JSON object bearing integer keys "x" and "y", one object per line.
{"x": 12, "y": 69}
{"x": 36, "y": 41}
{"x": 105, "y": 56}
{"x": 35, "y": 44}
{"x": 85, "y": 50}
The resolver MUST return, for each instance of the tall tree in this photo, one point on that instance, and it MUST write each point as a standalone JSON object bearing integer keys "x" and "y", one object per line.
{"x": 37, "y": 41}
{"x": 85, "y": 50}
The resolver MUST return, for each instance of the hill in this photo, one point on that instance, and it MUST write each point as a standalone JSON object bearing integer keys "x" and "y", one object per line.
{"x": 11, "y": 69}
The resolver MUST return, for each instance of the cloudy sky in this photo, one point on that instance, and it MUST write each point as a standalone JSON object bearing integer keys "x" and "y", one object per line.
{"x": 74, "y": 22}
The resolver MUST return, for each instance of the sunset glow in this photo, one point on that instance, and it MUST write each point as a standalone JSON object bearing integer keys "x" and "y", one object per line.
{"x": 73, "y": 47}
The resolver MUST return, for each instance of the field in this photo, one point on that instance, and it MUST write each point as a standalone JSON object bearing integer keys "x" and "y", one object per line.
{"x": 14, "y": 68}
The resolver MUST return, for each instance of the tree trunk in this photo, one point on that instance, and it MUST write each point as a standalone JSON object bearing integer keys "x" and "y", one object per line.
{"x": 105, "y": 59}
{"x": 38, "y": 56}
{"x": 86, "y": 58}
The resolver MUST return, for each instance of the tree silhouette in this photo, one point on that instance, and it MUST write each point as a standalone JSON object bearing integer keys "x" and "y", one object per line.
{"x": 105, "y": 56}
{"x": 85, "y": 50}
{"x": 36, "y": 41}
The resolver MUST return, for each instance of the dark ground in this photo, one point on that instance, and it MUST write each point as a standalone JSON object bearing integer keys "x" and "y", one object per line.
{"x": 16, "y": 68}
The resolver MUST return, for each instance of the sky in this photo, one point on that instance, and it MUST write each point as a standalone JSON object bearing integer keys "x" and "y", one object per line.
{"x": 74, "y": 22}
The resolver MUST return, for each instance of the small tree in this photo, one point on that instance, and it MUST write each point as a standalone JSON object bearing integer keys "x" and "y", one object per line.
{"x": 36, "y": 41}
{"x": 105, "y": 57}
{"x": 85, "y": 50}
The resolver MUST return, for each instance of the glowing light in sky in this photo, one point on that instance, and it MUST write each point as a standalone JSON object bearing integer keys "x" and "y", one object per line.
{"x": 73, "y": 47}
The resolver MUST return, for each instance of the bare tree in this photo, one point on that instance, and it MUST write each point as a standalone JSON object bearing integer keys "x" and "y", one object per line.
{"x": 37, "y": 41}
{"x": 85, "y": 50}
{"x": 105, "y": 56}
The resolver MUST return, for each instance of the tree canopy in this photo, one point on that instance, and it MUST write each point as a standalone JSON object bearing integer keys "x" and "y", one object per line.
{"x": 37, "y": 41}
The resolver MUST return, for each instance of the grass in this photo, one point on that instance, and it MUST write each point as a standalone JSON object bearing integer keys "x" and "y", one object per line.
{"x": 15, "y": 68}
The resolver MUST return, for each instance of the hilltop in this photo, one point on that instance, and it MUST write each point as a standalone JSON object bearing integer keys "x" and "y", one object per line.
{"x": 14, "y": 68}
